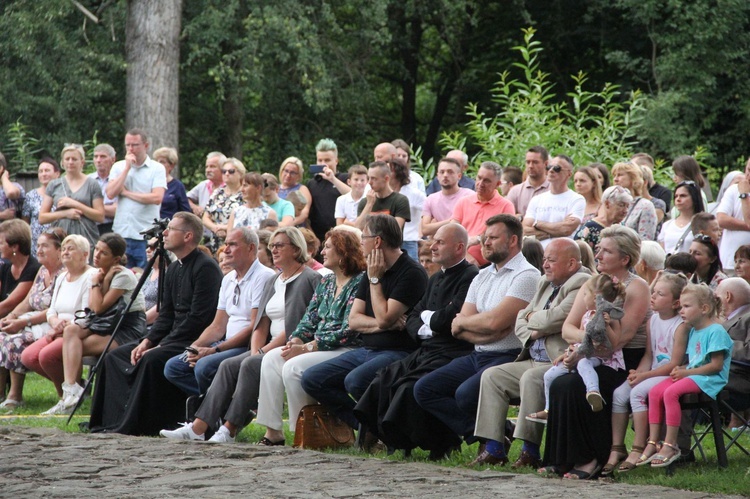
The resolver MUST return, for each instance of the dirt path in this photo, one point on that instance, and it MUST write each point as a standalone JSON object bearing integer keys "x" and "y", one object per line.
{"x": 41, "y": 462}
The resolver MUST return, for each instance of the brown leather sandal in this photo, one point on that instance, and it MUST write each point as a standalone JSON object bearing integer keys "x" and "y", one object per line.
{"x": 609, "y": 468}
{"x": 628, "y": 466}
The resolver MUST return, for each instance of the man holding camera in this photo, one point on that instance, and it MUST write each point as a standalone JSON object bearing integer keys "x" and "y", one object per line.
{"x": 132, "y": 395}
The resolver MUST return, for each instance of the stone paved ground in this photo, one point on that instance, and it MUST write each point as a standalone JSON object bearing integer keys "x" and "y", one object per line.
{"x": 42, "y": 462}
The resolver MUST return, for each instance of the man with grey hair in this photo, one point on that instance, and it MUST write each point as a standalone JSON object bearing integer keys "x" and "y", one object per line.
{"x": 138, "y": 183}
{"x": 325, "y": 188}
{"x": 734, "y": 293}
{"x": 473, "y": 211}
{"x": 229, "y": 333}
{"x": 464, "y": 181}
{"x": 199, "y": 195}
{"x": 104, "y": 157}
{"x": 388, "y": 409}
{"x": 558, "y": 212}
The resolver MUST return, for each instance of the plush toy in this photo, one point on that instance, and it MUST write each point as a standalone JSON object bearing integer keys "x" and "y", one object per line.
{"x": 596, "y": 329}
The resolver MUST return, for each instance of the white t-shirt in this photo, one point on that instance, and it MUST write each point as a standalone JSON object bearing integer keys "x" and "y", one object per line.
{"x": 548, "y": 207}
{"x": 68, "y": 297}
{"x": 670, "y": 235}
{"x": 249, "y": 290}
{"x": 731, "y": 204}
{"x": 416, "y": 202}
{"x": 346, "y": 207}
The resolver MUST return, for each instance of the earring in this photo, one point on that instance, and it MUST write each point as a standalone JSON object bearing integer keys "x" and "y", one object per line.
{"x": 14, "y": 253}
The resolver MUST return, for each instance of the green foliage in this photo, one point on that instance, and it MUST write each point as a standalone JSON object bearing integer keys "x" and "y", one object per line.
{"x": 21, "y": 148}
{"x": 592, "y": 126}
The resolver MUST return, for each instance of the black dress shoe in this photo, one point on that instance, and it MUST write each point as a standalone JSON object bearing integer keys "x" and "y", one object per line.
{"x": 487, "y": 459}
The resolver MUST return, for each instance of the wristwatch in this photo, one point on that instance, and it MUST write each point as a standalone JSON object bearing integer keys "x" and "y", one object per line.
{"x": 744, "y": 195}
{"x": 374, "y": 280}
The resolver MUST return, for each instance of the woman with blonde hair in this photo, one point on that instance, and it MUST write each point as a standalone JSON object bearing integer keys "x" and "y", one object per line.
{"x": 586, "y": 182}
{"x": 641, "y": 216}
{"x": 223, "y": 202}
{"x": 74, "y": 202}
{"x": 175, "y": 197}
{"x": 291, "y": 173}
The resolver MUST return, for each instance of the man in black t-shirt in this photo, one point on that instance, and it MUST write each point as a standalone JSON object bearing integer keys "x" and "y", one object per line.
{"x": 394, "y": 284}
{"x": 325, "y": 188}
{"x": 381, "y": 198}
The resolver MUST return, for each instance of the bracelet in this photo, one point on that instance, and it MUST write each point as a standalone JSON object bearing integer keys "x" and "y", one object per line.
{"x": 96, "y": 286}
{"x": 260, "y": 351}
{"x": 28, "y": 322}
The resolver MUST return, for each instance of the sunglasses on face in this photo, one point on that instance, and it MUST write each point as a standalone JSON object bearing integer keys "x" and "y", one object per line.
{"x": 231, "y": 171}
{"x": 554, "y": 168}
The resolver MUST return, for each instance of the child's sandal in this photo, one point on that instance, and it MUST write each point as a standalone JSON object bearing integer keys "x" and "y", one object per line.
{"x": 644, "y": 459}
{"x": 661, "y": 461}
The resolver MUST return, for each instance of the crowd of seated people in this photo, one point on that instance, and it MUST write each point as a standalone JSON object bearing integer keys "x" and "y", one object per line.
{"x": 415, "y": 319}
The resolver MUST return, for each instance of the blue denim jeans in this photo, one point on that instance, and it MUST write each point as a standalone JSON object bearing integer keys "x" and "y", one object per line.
{"x": 196, "y": 380}
{"x": 412, "y": 249}
{"x": 333, "y": 383}
{"x": 451, "y": 393}
{"x": 136, "y": 253}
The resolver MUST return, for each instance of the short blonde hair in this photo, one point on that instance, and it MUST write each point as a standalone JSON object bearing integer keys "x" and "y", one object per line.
{"x": 74, "y": 147}
{"x": 297, "y": 240}
{"x": 627, "y": 240}
{"x": 296, "y": 162}
{"x": 168, "y": 153}
{"x": 235, "y": 163}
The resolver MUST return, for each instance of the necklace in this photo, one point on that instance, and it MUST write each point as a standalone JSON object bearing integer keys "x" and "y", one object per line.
{"x": 284, "y": 279}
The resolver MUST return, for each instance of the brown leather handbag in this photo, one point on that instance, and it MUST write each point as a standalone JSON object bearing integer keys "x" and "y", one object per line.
{"x": 318, "y": 428}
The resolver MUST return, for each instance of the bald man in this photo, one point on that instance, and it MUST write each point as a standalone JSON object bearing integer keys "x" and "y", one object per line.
{"x": 388, "y": 409}
{"x": 539, "y": 327}
{"x": 465, "y": 180}
{"x": 734, "y": 294}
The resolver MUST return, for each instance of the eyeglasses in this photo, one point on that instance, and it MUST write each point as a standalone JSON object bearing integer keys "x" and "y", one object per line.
{"x": 290, "y": 172}
{"x": 274, "y": 246}
{"x": 169, "y": 227}
{"x": 703, "y": 238}
{"x": 152, "y": 246}
{"x": 231, "y": 171}
{"x": 554, "y": 168}
{"x": 236, "y": 297}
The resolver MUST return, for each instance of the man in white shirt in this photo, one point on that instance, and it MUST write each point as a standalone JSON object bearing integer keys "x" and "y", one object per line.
{"x": 438, "y": 207}
{"x": 558, "y": 212}
{"x": 229, "y": 333}
{"x": 138, "y": 183}
{"x": 733, "y": 215}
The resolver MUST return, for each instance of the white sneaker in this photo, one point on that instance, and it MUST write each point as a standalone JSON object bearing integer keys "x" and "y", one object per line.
{"x": 222, "y": 436}
{"x": 71, "y": 394}
{"x": 58, "y": 408}
{"x": 185, "y": 432}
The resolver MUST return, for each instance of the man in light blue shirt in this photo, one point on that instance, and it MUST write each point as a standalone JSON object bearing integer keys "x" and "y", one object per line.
{"x": 138, "y": 183}
{"x": 104, "y": 158}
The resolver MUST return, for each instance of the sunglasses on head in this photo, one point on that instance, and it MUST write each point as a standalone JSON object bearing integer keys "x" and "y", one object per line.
{"x": 554, "y": 168}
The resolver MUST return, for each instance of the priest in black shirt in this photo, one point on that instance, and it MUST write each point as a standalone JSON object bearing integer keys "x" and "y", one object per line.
{"x": 132, "y": 395}
{"x": 387, "y": 408}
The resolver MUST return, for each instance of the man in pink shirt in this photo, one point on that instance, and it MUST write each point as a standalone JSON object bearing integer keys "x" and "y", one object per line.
{"x": 536, "y": 180}
{"x": 438, "y": 207}
{"x": 473, "y": 211}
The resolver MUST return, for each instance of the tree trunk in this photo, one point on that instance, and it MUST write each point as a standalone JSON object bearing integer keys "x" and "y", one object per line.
{"x": 152, "y": 53}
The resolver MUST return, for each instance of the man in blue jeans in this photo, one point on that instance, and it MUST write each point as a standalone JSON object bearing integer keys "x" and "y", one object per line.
{"x": 487, "y": 319}
{"x": 394, "y": 284}
{"x": 235, "y": 317}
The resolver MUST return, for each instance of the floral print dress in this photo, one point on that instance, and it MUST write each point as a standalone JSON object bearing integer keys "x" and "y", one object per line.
{"x": 40, "y": 298}
{"x": 219, "y": 208}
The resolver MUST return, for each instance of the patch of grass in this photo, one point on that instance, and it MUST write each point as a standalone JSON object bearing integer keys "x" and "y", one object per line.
{"x": 702, "y": 476}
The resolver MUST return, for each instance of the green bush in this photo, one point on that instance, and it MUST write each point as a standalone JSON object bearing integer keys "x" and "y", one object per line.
{"x": 588, "y": 126}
